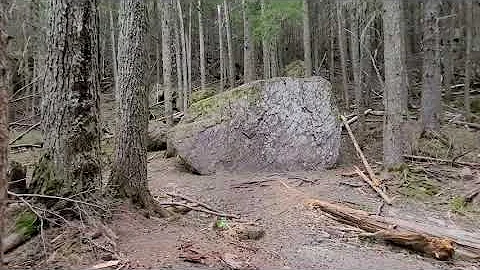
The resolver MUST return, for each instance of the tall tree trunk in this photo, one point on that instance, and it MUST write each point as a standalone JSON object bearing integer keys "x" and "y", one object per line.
{"x": 343, "y": 52}
{"x": 468, "y": 57}
{"x": 307, "y": 45}
{"x": 129, "y": 169}
{"x": 189, "y": 54}
{"x": 158, "y": 54}
{"x": 449, "y": 53}
{"x": 357, "y": 71}
{"x": 178, "y": 63}
{"x": 332, "y": 43}
{"x": 394, "y": 85}
{"x": 231, "y": 71}
{"x": 114, "y": 53}
{"x": 70, "y": 164}
{"x": 167, "y": 68}
{"x": 365, "y": 49}
{"x": 248, "y": 53}
{"x": 266, "y": 51}
{"x": 431, "y": 91}
{"x": 201, "y": 40}
{"x": 184, "y": 58}
{"x": 222, "y": 54}
{"x": 4, "y": 87}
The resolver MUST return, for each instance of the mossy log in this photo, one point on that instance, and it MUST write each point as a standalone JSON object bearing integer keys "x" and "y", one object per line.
{"x": 26, "y": 226}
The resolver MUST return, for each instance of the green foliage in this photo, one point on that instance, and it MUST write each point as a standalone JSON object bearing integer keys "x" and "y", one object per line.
{"x": 458, "y": 205}
{"x": 277, "y": 13}
{"x": 221, "y": 223}
{"x": 26, "y": 223}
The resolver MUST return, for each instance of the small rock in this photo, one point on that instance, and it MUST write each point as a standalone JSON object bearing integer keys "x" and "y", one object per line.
{"x": 246, "y": 231}
{"x": 466, "y": 173}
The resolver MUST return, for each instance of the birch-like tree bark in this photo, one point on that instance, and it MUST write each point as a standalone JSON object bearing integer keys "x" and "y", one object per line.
{"x": 431, "y": 91}
{"x": 201, "y": 40}
{"x": 70, "y": 164}
{"x": 394, "y": 85}
{"x": 231, "y": 71}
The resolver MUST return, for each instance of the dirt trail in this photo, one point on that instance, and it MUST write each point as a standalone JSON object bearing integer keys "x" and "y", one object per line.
{"x": 296, "y": 237}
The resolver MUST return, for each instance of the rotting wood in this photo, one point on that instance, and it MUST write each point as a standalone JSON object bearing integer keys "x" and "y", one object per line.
{"x": 375, "y": 181}
{"x": 453, "y": 161}
{"x": 24, "y": 133}
{"x": 438, "y": 242}
{"x": 382, "y": 194}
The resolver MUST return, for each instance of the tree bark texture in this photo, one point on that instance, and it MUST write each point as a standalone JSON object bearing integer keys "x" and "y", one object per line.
{"x": 357, "y": 71}
{"x": 266, "y": 51}
{"x": 184, "y": 93}
{"x": 129, "y": 169}
{"x": 167, "y": 66}
{"x": 248, "y": 46}
{"x": 70, "y": 107}
{"x": 307, "y": 45}
{"x": 431, "y": 91}
{"x": 343, "y": 52}
{"x": 394, "y": 84}
{"x": 201, "y": 40}
{"x": 231, "y": 70}
{"x": 221, "y": 48}
{"x": 468, "y": 55}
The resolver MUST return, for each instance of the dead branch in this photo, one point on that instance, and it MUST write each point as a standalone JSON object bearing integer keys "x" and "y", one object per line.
{"x": 200, "y": 209}
{"x": 439, "y": 160}
{"x": 471, "y": 125}
{"x": 375, "y": 181}
{"x": 26, "y": 146}
{"x": 204, "y": 205}
{"x": 376, "y": 188}
{"x": 175, "y": 115}
{"x": 24, "y": 133}
{"x": 56, "y": 197}
{"x": 440, "y": 243}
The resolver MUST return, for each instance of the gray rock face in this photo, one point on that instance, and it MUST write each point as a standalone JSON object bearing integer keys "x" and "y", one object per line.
{"x": 281, "y": 124}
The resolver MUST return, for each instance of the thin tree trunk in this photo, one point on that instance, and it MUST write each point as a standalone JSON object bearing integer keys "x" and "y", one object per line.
{"x": 266, "y": 51}
{"x": 184, "y": 58}
{"x": 449, "y": 54}
{"x": 4, "y": 86}
{"x": 114, "y": 53}
{"x": 70, "y": 110}
{"x": 468, "y": 57}
{"x": 178, "y": 64}
{"x": 248, "y": 63}
{"x": 167, "y": 68}
{"x": 332, "y": 44}
{"x": 431, "y": 91}
{"x": 343, "y": 52}
{"x": 222, "y": 56}
{"x": 231, "y": 71}
{"x": 201, "y": 40}
{"x": 307, "y": 45}
{"x": 273, "y": 58}
{"x": 357, "y": 72}
{"x": 394, "y": 85}
{"x": 189, "y": 55}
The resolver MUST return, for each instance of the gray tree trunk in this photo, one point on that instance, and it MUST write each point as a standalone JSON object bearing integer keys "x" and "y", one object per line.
{"x": 114, "y": 53}
{"x": 265, "y": 49}
{"x": 394, "y": 85}
{"x": 129, "y": 169}
{"x": 468, "y": 57}
{"x": 449, "y": 54}
{"x": 4, "y": 87}
{"x": 178, "y": 62}
{"x": 431, "y": 91}
{"x": 201, "y": 40}
{"x": 343, "y": 51}
{"x": 307, "y": 45}
{"x": 221, "y": 49}
{"x": 189, "y": 55}
{"x": 70, "y": 108}
{"x": 248, "y": 53}
{"x": 184, "y": 94}
{"x": 231, "y": 70}
{"x": 167, "y": 67}
{"x": 357, "y": 72}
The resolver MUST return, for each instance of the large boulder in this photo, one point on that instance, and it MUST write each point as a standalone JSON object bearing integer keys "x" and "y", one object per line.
{"x": 281, "y": 124}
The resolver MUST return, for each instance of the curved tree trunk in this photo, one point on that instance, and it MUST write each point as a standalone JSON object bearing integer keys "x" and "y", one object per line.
{"x": 129, "y": 169}
{"x": 431, "y": 92}
{"x": 70, "y": 107}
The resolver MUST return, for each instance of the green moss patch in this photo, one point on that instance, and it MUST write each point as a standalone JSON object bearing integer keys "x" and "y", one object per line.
{"x": 26, "y": 223}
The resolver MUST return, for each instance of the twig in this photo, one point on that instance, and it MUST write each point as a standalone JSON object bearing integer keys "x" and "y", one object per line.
{"x": 55, "y": 197}
{"x": 204, "y": 205}
{"x": 200, "y": 209}
{"x": 375, "y": 181}
{"x": 376, "y": 188}
{"x": 24, "y": 133}
{"x": 423, "y": 158}
{"x": 244, "y": 184}
{"x": 26, "y": 146}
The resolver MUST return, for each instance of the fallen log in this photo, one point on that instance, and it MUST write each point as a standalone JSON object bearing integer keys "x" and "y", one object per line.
{"x": 437, "y": 242}
{"x": 375, "y": 181}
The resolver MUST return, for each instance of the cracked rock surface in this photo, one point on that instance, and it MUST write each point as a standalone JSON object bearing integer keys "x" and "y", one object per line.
{"x": 281, "y": 124}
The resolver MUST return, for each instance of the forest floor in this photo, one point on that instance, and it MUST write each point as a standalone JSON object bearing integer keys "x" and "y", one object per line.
{"x": 296, "y": 237}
